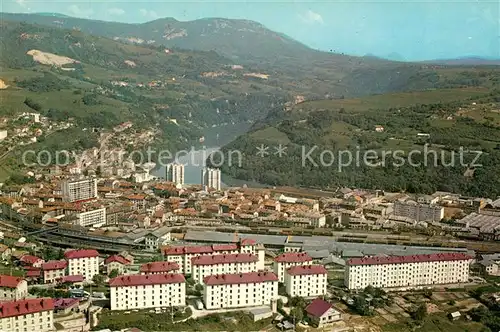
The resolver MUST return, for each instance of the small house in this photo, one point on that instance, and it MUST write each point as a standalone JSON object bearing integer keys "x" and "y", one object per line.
{"x": 320, "y": 312}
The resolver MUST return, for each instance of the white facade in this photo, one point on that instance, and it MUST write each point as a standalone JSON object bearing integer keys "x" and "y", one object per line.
{"x": 288, "y": 260}
{"x": 33, "y": 315}
{"x": 306, "y": 281}
{"x": 205, "y": 266}
{"x": 3, "y": 134}
{"x": 12, "y": 288}
{"x": 77, "y": 190}
{"x": 211, "y": 178}
{"x": 83, "y": 262}
{"x": 240, "y": 290}
{"x": 175, "y": 173}
{"x": 95, "y": 218}
{"x": 147, "y": 291}
{"x": 407, "y": 271}
{"x": 418, "y": 212}
{"x": 155, "y": 242}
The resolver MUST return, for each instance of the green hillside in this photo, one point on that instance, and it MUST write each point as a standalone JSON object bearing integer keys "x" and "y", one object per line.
{"x": 448, "y": 121}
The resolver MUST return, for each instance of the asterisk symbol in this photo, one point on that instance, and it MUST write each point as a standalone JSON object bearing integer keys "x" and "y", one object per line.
{"x": 262, "y": 150}
{"x": 280, "y": 150}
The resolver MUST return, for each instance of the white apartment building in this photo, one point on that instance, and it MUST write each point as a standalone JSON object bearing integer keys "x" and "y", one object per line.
{"x": 175, "y": 173}
{"x": 92, "y": 218}
{"x": 418, "y": 212}
{"x": 407, "y": 271}
{"x": 79, "y": 190}
{"x": 12, "y": 288}
{"x": 159, "y": 268}
{"x": 53, "y": 270}
{"x": 34, "y": 315}
{"x": 158, "y": 238}
{"x": 203, "y": 266}
{"x": 210, "y": 178}
{"x": 240, "y": 290}
{"x": 306, "y": 280}
{"x": 289, "y": 259}
{"x": 147, "y": 291}
{"x": 184, "y": 255}
{"x": 83, "y": 262}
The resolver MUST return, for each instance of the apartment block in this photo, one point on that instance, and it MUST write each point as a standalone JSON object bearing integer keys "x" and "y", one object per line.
{"x": 407, "y": 271}
{"x": 12, "y": 288}
{"x": 159, "y": 268}
{"x": 288, "y": 260}
{"x": 211, "y": 178}
{"x": 147, "y": 291}
{"x": 92, "y": 218}
{"x": 306, "y": 280}
{"x": 83, "y": 262}
{"x": 175, "y": 173}
{"x": 34, "y": 315}
{"x": 240, "y": 290}
{"x": 53, "y": 270}
{"x": 418, "y": 212}
{"x": 204, "y": 266}
{"x": 79, "y": 190}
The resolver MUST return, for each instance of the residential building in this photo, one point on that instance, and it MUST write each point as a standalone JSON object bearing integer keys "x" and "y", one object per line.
{"x": 175, "y": 173}
{"x": 83, "y": 262}
{"x": 203, "y": 266}
{"x": 321, "y": 312}
{"x": 407, "y": 271}
{"x": 5, "y": 252}
{"x": 287, "y": 260}
{"x": 211, "y": 178}
{"x": 3, "y": 134}
{"x": 157, "y": 238}
{"x": 34, "y": 315}
{"x": 116, "y": 262}
{"x": 30, "y": 260}
{"x": 147, "y": 291}
{"x": 12, "y": 288}
{"x": 306, "y": 280}
{"x": 53, "y": 270}
{"x": 418, "y": 212}
{"x": 240, "y": 290}
{"x": 490, "y": 264}
{"x": 79, "y": 190}
{"x": 92, "y": 218}
{"x": 159, "y": 268}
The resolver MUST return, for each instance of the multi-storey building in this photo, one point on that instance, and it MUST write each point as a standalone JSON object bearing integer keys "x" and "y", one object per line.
{"x": 79, "y": 190}
{"x": 92, "y": 218}
{"x": 407, "y": 271}
{"x": 418, "y": 212}
{"x": 240, "y": 290}
{"x": 203, "y": 266}
{"x": 83, "y": 262}
{"x": 159, "y": 268}
{"x": 147, "y": 291}
{"x": 183, "y": 255}
{"x": 116, "y": 262}
{"x": 53, "y": 270}
{"x": 12, "y": 288}
{"x": 175, "y": 173}
{"x": 306, "y": 280}
{"x": 34, "y": 315}
{"x": 210, "y": 178}
{"x": 289, "y": 259}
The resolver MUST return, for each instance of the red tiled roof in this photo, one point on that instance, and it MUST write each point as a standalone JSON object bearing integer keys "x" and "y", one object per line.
{"x": 81, "y": 253}
{"x": 306, "y": 270}
{"x": 188, "y": 250}
{"x": 240, "y": 278}
{"x": 247, "y": 242}
{"x": 318, "y": 307}
{"x": 33, "y": 273}
{"x": 65, "y": 303}
{"x": 293, "y": 257}
{"x": 30, "y": 259}
{"x": 54, "y": 265}
{"x": 24, "y": 307}
{"x": 158, "y": 267}
{"x": 148, "y": 279}
{"x": 9, "y": 281}
{"x": 447, "y": 256}
{"x": 117, "y": 258}
{"x": 73, "y": 278}
{"x": 224, "y": 259}
{"x": 224, "y": 247}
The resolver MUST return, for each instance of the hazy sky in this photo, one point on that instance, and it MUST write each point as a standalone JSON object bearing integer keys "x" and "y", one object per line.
{"x": 416, "y": 30}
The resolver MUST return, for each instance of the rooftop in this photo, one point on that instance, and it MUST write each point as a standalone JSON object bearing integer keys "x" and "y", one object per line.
{"x": 306, "y": 270}
{"x": 118, "y": 259}
{"x": 224, "y": 259}
{"x": 148, "y": 279}
{"x": 25, "y": 307}
{"x": 318, "y": 307}
{"x": 155, "y": 267}
{"x": 240, "y": 278}
{"x": 54, "y": 265}
{"x": 293, "y": 257}
{"x": 9, "y": 281}
{"x": 379, "y": 260}
{"x": 81, "y": 253}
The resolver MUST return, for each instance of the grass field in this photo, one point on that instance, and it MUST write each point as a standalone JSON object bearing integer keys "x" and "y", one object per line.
{"x": 11, "y": 270}
{"x": 436, "y": 323}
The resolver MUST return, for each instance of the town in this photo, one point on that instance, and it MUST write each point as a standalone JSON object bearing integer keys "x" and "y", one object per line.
{"x": 83, "y": 251}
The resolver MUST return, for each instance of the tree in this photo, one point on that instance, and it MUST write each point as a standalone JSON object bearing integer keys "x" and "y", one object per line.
{"x": 198, "y": 288}
{"x": 420, "y": 313}
{"x": 113, "y": 273}
{"x": 297, "y": 314}
{"x": 428, "y": 293}
{"x": 279, "y": 304}
{"x": 361, "y": 306}
{"x": 98, "y": 279}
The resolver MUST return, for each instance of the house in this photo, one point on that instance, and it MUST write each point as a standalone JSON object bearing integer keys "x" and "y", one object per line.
{"x": 454, "y": 315}
{"x": 5, "y": 252}
{"x": 321, "y": 312}
{"x": 379, "y": 129}
{"x": 66, "y": 305}
{"x": 30, "y": 260}
{"x": 53, "y": 270}
{"x": 157, "y": 238}
{"x": 12, "y": 288}
{"x": 116, "y": 262}
{"x": 83, "y": 262}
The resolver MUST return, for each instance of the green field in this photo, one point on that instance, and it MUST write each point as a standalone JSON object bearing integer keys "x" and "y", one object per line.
{"x": 436, "y": 323}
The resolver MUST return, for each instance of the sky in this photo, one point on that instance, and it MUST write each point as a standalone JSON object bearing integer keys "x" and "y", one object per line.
{"x": 409, "y": 30}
